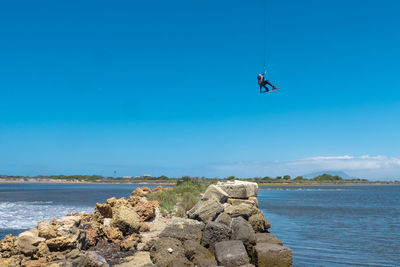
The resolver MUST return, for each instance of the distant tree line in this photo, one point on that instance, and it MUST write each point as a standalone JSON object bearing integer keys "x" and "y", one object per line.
{"x": 324, "y": 178}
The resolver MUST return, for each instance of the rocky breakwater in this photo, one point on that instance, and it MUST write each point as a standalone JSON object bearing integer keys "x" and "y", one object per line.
{"x": 225, "y": 228}
{"x": 113, "y": 235}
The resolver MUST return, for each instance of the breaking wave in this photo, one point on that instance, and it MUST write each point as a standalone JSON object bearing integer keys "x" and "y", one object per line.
{"x": 24, "y": 215}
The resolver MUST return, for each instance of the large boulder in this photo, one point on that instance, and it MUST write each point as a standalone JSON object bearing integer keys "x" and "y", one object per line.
{"x": 224, "y": 219}
{"x": 215, "y": 192}
{"x": 273, "y": 255}
{"x": 27, "y": 242}
{"x": 244, "y": 210}
{"x": 215, "y": 232}
{"x": 267, "y": 238}
{"x": 183, "y": 229}
{"x": 169, "y": 252}
{"x": 242, "y": 230}
{"x": 206, "y": 210}
{"x": 259, "y": 223}
{"x": 231, "y": 253}
{"x": 126, "y": 220}
{"x": 239, "y": 189}
{"x": 198, "y": 254}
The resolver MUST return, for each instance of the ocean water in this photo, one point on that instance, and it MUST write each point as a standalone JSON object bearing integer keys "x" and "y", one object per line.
{"x": 336, "y": 225}
{"x": 324, "y": 225}
{"x": 22, "y": 205}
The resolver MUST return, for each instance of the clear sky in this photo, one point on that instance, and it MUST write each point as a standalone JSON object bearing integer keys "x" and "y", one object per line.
{"x": 169, "y": 87}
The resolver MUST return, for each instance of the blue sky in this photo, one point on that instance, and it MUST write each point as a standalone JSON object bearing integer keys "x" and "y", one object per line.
{"x": 169, "y": 87}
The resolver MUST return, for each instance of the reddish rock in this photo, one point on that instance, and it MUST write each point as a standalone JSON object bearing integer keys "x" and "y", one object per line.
{"x": 113, "y": 234}
{"x": 146, "y": 210}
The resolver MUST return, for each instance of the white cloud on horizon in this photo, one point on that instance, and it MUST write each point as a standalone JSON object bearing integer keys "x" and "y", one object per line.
{"x": 366, "y": 166}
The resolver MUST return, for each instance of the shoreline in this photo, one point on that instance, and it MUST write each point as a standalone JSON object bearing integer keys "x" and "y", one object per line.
{"x": 173, "y": 183}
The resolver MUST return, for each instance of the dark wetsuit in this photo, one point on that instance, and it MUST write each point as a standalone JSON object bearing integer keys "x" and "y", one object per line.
{"x": 262, "y": 82}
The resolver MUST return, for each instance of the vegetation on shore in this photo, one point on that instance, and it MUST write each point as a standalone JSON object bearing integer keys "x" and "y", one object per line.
{"x": 286, "y": 179}
{"x": 183, "y": 196}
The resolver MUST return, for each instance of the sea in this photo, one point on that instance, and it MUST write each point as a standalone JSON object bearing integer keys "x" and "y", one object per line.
{"x": 324, "y": 225}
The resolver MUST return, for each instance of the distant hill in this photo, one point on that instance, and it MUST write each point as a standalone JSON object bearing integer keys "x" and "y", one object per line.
{"x": 338, "y": 173}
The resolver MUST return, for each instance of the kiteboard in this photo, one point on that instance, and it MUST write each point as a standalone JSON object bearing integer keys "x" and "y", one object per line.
{"x": 270, "y": 90}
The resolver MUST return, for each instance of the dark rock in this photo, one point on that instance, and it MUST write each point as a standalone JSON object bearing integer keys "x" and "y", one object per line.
{"x": 215, "y": 232}
{"x": 198, "y": 254}
{"x": 168, "y": 252}
{"x": 273, "y": 255}
{"x": 231, "y": 253}
{"x": 242, "y": 230}
{"x": 224, "y": 219}
{"x": 183, "y": 229}
{"x": 206, "y": 210}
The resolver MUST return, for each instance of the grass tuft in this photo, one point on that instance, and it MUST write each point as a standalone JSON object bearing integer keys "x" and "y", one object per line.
{"x": 181, "y": 198}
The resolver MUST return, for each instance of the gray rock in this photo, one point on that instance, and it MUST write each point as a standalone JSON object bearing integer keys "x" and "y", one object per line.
{"x": 27, "y": 242}
{"x": 206, "y": 210}
{"x": 247, "y": 265}
{"x": 126, "y": 220}
{"x": 215, "y": 192}
{"x": 267, "y": 238}
{"x": 242, "y": 230}
{"x": 161, "y": 256}
{"x": 231, "y": 253}
{"x": 215, "y": 232}
{"x": 183, "y": 229}
{"x": 273, "y": 255}
{"x": 198, "y": 254}
{"x": 239, "y": 189}
{"x": 94, "y": 259}
{"x": 259, "y": 223}
{"x": 224, "y": 219}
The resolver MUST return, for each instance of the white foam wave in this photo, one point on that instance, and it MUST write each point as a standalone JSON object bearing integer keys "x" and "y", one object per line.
{"x": 23, "y": 215}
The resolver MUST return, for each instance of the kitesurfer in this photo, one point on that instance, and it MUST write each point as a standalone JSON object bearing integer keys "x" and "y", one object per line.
{"x": 262, "y": 82}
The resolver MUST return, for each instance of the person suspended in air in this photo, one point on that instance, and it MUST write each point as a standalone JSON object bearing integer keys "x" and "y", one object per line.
{"x": 262, "y": 82}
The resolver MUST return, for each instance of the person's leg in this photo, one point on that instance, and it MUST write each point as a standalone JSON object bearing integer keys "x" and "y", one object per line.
{"x": 264, "y": 84}
{"x": 267, "y": 82}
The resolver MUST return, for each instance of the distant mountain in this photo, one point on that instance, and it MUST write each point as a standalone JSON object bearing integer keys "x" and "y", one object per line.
{"x": 338, "y": 173}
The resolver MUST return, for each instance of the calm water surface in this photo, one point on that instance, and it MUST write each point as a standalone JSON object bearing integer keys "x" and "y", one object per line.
{"x": 324, "y": 225}
{"x": 337, "y": 225}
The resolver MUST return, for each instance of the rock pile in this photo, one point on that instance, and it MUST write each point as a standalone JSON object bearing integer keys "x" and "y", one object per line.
{"x": 108, "y": 236}
{"x": 225, "y": 228}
